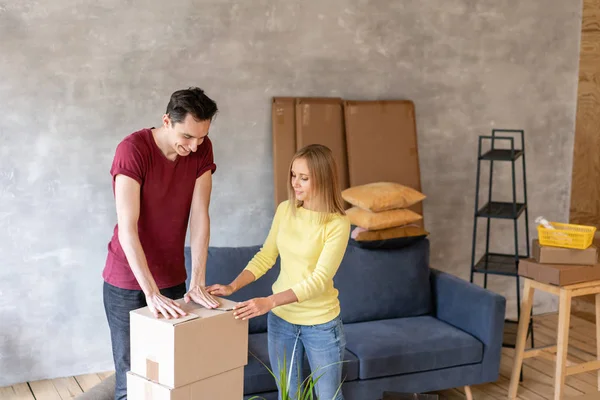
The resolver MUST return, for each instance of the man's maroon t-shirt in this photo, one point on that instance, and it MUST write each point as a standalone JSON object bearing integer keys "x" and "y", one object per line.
{"x": 165, "y": 201}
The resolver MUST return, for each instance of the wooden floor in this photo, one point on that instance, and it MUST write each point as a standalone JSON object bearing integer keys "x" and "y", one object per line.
{"x": 537, "y": 383}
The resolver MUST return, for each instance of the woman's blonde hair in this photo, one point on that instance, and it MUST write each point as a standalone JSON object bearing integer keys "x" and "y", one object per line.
{"x": 325, "y": 184}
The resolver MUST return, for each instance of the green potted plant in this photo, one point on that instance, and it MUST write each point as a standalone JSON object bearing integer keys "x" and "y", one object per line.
{"x": 305, "y": 389}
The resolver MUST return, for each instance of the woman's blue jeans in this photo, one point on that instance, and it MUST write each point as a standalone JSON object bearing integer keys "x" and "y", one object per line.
{"x": 324, "y": 346}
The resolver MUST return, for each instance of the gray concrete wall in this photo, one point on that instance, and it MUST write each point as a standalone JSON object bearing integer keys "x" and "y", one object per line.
{"x": 77, "y": 76}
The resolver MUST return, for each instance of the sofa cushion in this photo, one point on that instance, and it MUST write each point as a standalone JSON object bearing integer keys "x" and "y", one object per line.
{"x": 258, "y": 379}
{"x": 364, "y": 235}
{"x": 382, "y": 220}
{"x": 387, "y": 239}
{"x": 382, "y": 196}
{"x": 384, "y": 284}
{"x": 406, "y": 345}
{"x": 224, "y": 264}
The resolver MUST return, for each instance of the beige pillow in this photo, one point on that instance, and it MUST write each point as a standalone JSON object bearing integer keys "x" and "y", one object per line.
{"x": 381, "y": 220}
{"x": 382, "y": 196}
{"x": 361, "y": 234}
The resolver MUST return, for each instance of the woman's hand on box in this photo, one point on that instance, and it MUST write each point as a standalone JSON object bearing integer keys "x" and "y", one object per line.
{"x": 162, "y": 305}
{"x": 202, "y": 296}
{"x": 253, "y": 308}
{"x": 220, "y": 290}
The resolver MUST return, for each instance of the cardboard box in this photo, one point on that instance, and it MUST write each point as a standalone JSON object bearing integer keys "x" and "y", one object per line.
{"x": 382, "y": 144}
{"x": 321, "y": 121}
{"x": 558, "y": 274}
{"x": 559, "y": 255}
{"x": 177, "y": 352}
{"x": 283, "y": 115}
{"x": 225, "y": 386}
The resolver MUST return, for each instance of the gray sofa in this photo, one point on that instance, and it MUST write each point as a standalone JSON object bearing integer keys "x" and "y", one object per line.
{"x": 409, "y": 328}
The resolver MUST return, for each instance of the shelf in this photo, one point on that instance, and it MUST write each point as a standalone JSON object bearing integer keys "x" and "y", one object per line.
{"x": 497, "y": 264}
{"x": 501, "y": 209}
{"x": 502, "y": 155}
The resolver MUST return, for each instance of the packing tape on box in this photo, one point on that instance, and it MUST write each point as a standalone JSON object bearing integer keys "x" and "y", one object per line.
{"x": 148, "y": 391}
{"x": 151, "y": 370}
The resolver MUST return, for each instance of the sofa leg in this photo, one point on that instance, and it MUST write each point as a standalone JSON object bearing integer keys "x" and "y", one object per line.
{"x": 468, "y": 393}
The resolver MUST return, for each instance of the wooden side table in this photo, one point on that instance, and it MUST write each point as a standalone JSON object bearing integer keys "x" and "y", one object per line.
{"x": 557, "y": 353}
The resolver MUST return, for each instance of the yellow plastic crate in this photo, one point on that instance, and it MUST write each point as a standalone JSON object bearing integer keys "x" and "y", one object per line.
{"x": 569, "y": 236}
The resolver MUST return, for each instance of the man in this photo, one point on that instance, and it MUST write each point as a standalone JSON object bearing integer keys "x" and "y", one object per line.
{"x": 160, "y": 177}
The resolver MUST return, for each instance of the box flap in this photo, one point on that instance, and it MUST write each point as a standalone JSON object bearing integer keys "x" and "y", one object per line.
{"x": 193, "y": 310}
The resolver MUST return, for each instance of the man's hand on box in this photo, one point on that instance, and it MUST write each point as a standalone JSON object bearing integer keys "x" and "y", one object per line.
{"x": 162, "y": 305}
{"x": 220, "y": 290}
{"x": 253, "y": 308}
{"x": 201, "y": 296}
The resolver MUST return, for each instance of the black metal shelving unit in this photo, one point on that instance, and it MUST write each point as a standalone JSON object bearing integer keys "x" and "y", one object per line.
{"x": 497, "y": 263}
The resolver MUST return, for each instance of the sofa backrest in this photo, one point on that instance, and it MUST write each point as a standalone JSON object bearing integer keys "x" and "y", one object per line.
{"x": 224, "y": 264}
{"x": 384, "y": 284}
{"x": 372, "y": 284}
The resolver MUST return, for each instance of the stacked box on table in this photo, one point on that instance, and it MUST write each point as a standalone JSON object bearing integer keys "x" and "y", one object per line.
{"x": 558, "y": 274}
{"x": 560, "y": 255}
{"x": 201, "y": 353}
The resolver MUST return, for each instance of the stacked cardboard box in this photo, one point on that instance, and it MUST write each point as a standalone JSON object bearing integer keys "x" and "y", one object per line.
{"x": 300, "y": 121}
{"x": 561, "y": 266}
{"x": 199, "y": 356}
{"x": 371, "y": 141}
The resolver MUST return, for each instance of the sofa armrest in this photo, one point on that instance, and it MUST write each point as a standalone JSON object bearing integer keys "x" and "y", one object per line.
{"x": 474, "y": 310}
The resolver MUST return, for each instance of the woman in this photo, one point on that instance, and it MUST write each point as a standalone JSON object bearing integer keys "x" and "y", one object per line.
{"x": 310, "y": 232}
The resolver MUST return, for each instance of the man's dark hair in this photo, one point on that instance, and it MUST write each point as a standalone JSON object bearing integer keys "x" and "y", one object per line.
{"x": 191, "y": 101}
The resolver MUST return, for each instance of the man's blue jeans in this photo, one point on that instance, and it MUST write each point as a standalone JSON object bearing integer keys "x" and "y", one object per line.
{"x": 117, "y": 304}
{"x": 324, "y": 345}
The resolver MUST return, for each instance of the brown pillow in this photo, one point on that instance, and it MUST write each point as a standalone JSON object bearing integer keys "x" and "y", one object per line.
{"x": 361, "y": 234}
{"x": 382, "y": 196}
{"x": 381, "y": 220}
